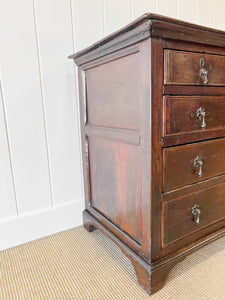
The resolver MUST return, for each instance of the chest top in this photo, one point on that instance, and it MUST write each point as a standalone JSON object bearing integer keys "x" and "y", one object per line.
{"x": 151, "y": 25}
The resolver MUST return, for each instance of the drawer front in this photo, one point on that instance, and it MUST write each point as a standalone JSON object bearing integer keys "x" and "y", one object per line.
{"x": 192, "y": 212}
{"x": 189, "y": 114}
{"x": 188, "y": 164}
{"x": 188, "y": 68}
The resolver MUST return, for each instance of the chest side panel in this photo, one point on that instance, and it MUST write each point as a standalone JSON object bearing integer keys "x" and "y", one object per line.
{"x": 114, "y": 111}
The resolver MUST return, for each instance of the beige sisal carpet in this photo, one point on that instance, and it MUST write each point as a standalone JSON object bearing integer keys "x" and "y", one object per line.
{"x": 79, "y": 265}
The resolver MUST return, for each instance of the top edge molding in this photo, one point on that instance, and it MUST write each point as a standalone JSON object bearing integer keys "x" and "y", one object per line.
{"x": 150, "y": 25}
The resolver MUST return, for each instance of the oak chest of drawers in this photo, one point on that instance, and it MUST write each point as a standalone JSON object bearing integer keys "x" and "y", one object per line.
{"x": 152, "y": 112}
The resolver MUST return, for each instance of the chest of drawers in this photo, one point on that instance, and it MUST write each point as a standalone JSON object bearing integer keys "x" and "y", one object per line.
{"x": 152, "y": 113}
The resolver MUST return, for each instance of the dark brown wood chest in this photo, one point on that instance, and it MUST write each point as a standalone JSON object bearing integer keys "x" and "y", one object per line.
{"x": 152, "y": 112}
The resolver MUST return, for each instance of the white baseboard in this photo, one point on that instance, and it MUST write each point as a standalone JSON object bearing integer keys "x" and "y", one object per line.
{"x": 38, "y": 224}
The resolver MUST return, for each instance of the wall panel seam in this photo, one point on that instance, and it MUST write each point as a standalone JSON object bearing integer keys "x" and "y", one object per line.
{"x": 75, "y": 70}
{"x": 71, "y": 20}
{"x": 9, "y": 149}
{"x": 178, "y": 9}
{"x": 103, "y": 16}
{"x": 42, "y": 104}
{"x": 197, "y": 14}
{"x": 214, "y": 13}
{"x": 131, "y": 9}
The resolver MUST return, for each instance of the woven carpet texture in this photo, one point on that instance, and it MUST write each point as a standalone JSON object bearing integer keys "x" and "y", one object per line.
{"x": 76, "y": 264}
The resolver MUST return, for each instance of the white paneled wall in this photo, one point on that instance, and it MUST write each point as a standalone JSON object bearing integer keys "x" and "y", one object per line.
{"x": 54, "y": 42}
{"x": 87, "y": 16}
{"x": 40, "y": 168}
{"x": 169, "y": 8}
{"x": 8, "y": 204}
{"x": 117, "y": 14}
{"x": 187, "y": 10}
{"x": 23, "y": 105}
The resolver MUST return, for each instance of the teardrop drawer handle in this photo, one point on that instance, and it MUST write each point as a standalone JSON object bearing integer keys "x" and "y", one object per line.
{"x": 198, "y": 163}
{"x": 203, "y": 72}
{"x": 200, "y": 115}
{"x": 196, "y": 213}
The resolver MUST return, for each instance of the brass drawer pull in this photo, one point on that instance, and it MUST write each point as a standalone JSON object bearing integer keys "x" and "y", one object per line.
{"x": 196, "y": 213}
{"x": 203, "y": 72}
{"x": 198, "y": 163}
{"x": 200, "y": 115}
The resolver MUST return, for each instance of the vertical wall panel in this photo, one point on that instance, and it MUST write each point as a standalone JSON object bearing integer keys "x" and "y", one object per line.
{"x": 219, "y": 14}
{"x": 187, "y": 10}
{"x": 117, "y": 14}
{"x": 21, "y": 92}
{"x": 88, "y": 19}
{"x": 55, "y": 40}
{"x": 206, "y": 13}
{"x": 167, "y": 8}
{"x": 7, "y": 198}
{"x": 143, "y": 6}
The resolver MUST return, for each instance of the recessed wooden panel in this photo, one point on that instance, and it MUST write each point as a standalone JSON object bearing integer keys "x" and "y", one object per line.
{"x": 179, "y": 169}
{"x": 115, "y": 183}
{"x": 114, "y": 93}
{"x": 178, "y": 220}
{"x": 182, "y": 67}
{"x": 181, "y": 114}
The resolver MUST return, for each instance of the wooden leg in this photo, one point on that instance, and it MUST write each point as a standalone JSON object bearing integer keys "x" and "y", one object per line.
{"x": 151, "y": 277}
{"x": 87, "y": 223}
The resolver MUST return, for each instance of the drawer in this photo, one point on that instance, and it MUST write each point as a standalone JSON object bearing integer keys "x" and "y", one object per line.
{"x": 192, "y": 212}
{"x": 188, "y": 164}
{"x": 190, "y": 68}
{"x": 190, "y": 114}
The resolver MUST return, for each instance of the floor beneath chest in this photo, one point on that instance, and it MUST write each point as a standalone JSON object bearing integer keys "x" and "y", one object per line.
{"x": 76, "y": 264}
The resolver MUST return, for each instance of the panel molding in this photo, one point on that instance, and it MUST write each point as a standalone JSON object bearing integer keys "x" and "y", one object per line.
{"x": 127, "y": 136}
{"x": 112, "y": 56}
{"x": 115, "y": 42}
